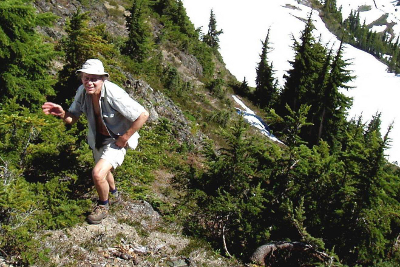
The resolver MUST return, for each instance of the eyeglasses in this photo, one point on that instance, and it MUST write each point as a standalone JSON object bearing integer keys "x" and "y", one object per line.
{"x": 92, "y": 79}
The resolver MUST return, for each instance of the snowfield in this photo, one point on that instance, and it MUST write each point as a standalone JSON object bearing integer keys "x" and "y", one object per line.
{"x": 246, "y": 25}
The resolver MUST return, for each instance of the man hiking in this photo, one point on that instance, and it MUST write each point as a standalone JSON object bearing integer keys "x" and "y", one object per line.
{"x": 114, "y": 119}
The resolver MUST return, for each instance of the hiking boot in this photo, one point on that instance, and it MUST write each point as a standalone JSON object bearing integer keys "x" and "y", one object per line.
{"x": 115, "y": 197}
{"x": 98, "y": 214}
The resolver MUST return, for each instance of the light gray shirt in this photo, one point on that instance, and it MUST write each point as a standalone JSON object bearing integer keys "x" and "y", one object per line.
{"x": 118, "y": 112}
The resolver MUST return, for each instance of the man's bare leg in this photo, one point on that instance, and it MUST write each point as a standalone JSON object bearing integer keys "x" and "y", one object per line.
{"x": 99, "y": 174}
{"x": 103, "y": 178}
{"x": 110, "y": 180}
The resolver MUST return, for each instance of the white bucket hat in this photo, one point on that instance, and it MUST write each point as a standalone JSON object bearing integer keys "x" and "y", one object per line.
{"x": 93, "y": 66}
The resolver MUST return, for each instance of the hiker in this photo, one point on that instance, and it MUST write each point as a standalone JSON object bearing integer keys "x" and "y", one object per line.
{"x": 114, "y": 119}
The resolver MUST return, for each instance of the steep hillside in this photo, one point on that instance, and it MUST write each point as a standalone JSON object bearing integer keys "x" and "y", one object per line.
{"x": 135, "y": 233}
{"x": 203, "y": 188}
{"x": 112, "y": 15}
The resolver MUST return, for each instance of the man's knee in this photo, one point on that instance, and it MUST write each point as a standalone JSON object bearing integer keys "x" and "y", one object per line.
{"x": 98, "y": 175}
{"x": 101, "y": 170}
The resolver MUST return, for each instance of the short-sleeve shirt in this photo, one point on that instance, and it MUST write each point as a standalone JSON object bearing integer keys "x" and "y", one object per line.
{"x": 118, "y": 111}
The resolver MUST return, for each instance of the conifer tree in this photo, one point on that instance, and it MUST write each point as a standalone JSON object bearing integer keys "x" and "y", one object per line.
{"x": 330, "y": 5}
{"x": 316, "y": 105}
{"x": 162, "y": 7}
{"x": 368, "y": 216}
{"x": 331, "y": 10}
{"x": 25, "y": 57}
{"x": 244, "y": 88}
{"x": 266, "y": 89}
{"x": 300, "y": 80}
{"x": 182, "y": 20}
{"x": 176, "y": 12}
{"x": 81, "y": 43}
{"x": 138, "y": 45}
{"x": 315, "y": 80}
{"x": 229, "y": 193}
{"x": 330, "y": 105}
{"x": 393, "y": 62}
{"x": 212, "y": 36}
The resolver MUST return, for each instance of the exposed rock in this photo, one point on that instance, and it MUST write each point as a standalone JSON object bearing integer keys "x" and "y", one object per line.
{"x": 129, "y": 236}
{"x": 143, "y": 213}
{"x": 161, "y": 106}
{"x": 99, "y": 14}
{"x": 187, "y": 65}
{"x": 3, "y": 263}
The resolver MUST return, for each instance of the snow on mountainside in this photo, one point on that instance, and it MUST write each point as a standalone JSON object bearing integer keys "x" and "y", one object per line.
{"x": 245, "y": 26}
{"x": 372, "y": 10}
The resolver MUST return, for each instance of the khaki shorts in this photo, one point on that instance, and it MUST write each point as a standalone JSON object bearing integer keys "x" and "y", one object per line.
{"x": 111, "y": 153}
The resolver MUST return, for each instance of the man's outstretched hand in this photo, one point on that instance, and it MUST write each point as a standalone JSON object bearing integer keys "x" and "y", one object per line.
{"x": 53, "y": 109}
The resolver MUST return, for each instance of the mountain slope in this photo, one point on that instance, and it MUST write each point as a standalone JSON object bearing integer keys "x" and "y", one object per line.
{"x": 135, "y": 233}
{"x": 375, "y": 90}
{"x": 149, "y": 232}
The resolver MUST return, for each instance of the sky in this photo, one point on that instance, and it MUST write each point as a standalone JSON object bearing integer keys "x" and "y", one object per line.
{"x": 245, "y": 25}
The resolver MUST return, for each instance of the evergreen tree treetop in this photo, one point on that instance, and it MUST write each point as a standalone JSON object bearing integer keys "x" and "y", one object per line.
{"x": 80, "y": 43}
{"x": 266, "y": 89}
{"x": 212, "y": 36}
{"x": 139, "y": 43}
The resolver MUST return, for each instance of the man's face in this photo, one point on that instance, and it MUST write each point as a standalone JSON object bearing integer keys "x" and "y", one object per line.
{"x": 92, "y": 83}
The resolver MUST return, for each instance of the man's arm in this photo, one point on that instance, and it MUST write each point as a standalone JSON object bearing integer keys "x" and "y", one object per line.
{"x": 136, "y": 125}
{"x": 57, "y": 110}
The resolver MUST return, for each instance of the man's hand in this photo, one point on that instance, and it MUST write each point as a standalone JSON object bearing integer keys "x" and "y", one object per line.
{"x": 121, "y": 141}
{"x": 53, "y": 109}
{"x": 57, "y": 110}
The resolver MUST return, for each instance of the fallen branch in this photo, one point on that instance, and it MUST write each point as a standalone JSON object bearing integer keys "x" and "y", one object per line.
{"x": 4, "y": 253}
{"x": 224, "y": 242}
{"x": 261, "y": 253}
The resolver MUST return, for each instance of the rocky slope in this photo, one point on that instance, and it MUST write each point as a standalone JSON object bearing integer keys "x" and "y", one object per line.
{"x": 132, "y": 235}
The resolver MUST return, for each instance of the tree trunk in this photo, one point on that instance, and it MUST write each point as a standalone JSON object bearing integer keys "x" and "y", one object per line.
{"x": 321, "y": 125}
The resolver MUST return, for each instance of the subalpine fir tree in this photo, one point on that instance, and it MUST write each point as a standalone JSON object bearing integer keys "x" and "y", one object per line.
{"x": 138, "y": 45}
{"x": 393, "y": 62}
{"x": 212, "y": 36}
{"x": 331, "y": 11}
{"x": 182, "y": 20}
{"x": 334, "y": 103}
{"x": 81, "y": 43}
{"x": 329, "y": 105}
{"x": 229, "y": 193}
{"x": 162, "y": 7}
{"x": 362, "y": 35}
{"x": 244, "y": 88}
{"x": 25, "y": 58}
{"x": 266, "y": 89}
{"x": 330, "y": 5}
{"x": 176, "y": 12}
{"x": 316, "y": 106}
{"x": 300, "y": 80}
{"x": 368, "y": 217}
